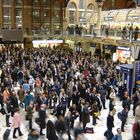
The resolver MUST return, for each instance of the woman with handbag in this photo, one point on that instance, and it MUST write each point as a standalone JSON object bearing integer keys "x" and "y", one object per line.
{"x": 94, "y": 112}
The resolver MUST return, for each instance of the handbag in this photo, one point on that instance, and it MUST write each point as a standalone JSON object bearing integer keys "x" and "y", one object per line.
{"x": 26, "y": 117}
{"x": 2, "y": 111}
{"x": 37, "y": 120}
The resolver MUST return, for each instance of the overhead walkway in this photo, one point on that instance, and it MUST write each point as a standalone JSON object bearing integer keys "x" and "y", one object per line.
{"x": 111, "y": 36}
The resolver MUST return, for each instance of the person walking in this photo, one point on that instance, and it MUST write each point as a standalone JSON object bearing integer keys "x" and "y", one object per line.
{"x": 124, "y": 116}
{"x": 42, "y": 118}
{"x": 16, "y": 123}
{"x": 51, "y": 133}
{"x": 7, "y": 108}
{"x": 29, "y": 115}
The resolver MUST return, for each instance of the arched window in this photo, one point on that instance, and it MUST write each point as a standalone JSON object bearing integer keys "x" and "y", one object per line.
{"x": 72, "y": 10}
{"x": 6, "y": 13}
{"x": 18, "y": 13}
{"x": 90, "y": 11}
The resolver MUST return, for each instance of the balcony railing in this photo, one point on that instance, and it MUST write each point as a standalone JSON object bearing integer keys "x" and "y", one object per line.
{"x": 115, "y": 34}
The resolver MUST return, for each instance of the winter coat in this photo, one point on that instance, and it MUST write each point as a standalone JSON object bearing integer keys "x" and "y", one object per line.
{"x": 21, "y": 94}
{"x": 85, "y": 115}
{"x": 27, "y": 99}
{"x": 42, "y": 118}
{"x": 16, "y": 120}
{"x": 124, "y": 115}
{"x": 29, "y": 112}
{"x": 110, "y": 121}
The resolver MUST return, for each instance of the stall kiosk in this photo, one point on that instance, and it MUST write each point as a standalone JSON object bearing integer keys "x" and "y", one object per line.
{"x": 126, "y": 70}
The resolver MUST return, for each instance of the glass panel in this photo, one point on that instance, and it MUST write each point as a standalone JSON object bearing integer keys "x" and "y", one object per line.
{"x": 6, "y": 14}
{"x": 46, "y": 3}
{"x": 90, "y": 7}
{"x": 46, "y": 15}
{"x": 81, "y": 16}
{"x": 6, "y": 26}
{"x": 56, "y": 4}
{"x": 71, "y": 17}
{"x": 18, "y": 17}
{"x": 19, "y": 2}
{"x": 6, "y": 2}
{"x": 81, "y": 4}
{"x": 36, "y": 15}
{"x": 35, "y": 2}
{"x": 57, "y": 16}
{"x": 72, "y": 6}
{"x": 90, "y": 10}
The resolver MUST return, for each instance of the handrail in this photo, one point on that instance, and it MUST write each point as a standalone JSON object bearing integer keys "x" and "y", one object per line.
{"x": 133, "y": 35}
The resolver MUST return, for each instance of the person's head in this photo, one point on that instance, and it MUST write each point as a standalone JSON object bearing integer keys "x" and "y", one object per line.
{"x": 34, "y": 132}
{"x": 50, "y": 125}
{"x": 119, "y": 131}
{"x": 126, "y": 108}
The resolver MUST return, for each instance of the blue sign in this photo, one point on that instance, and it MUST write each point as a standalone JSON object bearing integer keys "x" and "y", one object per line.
{"x": 137, "y": 74}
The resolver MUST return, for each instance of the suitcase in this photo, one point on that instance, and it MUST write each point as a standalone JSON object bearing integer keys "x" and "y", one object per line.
{"x": 6, "y": 134}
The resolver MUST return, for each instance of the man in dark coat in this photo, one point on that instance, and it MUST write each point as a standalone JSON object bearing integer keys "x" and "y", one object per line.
{"x": 85, "y": 115}
{"x": 42, "y": 118}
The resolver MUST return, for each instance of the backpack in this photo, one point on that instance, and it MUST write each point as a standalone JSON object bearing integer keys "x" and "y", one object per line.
{"x": 119, "y": 115}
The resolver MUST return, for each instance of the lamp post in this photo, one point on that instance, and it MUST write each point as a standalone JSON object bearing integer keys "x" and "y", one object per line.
{"x": 100, "y": 5}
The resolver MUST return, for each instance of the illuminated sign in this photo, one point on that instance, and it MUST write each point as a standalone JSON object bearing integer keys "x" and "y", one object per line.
{"x": 47, "y": 41}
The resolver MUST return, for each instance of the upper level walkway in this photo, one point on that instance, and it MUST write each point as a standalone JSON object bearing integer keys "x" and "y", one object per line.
{"x": 110, "y": 36}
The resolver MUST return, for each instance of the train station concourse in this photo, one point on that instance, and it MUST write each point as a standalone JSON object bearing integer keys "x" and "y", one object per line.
{"x": 70, "y": 69}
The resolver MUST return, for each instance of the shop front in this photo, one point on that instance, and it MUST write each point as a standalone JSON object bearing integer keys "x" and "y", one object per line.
{"x": 123, "y": 55}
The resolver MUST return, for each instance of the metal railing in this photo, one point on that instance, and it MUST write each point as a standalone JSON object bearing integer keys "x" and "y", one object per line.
{"x": 115, "y": 34}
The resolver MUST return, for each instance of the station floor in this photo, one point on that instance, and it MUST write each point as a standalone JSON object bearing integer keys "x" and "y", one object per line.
{"x": 99, "y": 129}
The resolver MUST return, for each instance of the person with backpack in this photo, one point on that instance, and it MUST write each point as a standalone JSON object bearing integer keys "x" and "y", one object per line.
{"x": 118, "y": 136}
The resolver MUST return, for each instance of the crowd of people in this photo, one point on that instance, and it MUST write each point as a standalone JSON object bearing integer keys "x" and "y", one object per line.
{"x": 66, "y": 84}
